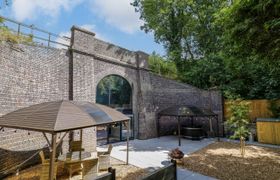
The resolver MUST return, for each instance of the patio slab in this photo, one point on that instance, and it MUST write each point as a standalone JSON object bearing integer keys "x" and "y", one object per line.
{"x": 152, "y": 154}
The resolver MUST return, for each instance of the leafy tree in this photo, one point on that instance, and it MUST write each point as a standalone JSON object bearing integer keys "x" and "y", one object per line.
{"x": 162, "y": 66}
{"x": 252, "y": 27}
{"x": 229, "y": 45}
{"x": 186, "y": 28}
{"x": 4, "y": 3}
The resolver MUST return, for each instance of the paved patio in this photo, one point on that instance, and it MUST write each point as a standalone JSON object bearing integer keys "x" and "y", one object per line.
{"x": 153, "y": 153}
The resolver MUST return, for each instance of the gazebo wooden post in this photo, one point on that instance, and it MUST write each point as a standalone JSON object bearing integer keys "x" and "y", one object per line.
{"x": 158, "y": 126}
{"x": 218, "y": 129}
{"x": 81, "y": 139}
{"x": 52, "y": 157}
{"x": 179, "y": 129}
{"x": 127, "y": 141}
{"x": 210, "y": 125}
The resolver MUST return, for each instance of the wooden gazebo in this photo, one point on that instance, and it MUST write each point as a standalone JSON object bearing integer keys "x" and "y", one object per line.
{"x": 183, "y": 111}
{"x": 61, "y": 117}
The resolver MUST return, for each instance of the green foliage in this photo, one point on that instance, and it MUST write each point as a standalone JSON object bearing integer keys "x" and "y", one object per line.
{"x": 274, "y": 107}
{"x": 204, "y": 73}
{"x": 9, "y": 36}
{"x": 239, "y": 119}
{"x": 162, "y": 67}
{"x": 233, "y": 47}
{"x": 185, "y": 27}
{"x": 252, "y": 27}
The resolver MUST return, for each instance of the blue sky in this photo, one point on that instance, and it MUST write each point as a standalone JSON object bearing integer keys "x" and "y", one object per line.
{"x": 114, "y": 21}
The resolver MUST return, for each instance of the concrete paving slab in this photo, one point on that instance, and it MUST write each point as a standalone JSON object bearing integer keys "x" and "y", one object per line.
{"x": 152, "y": 154}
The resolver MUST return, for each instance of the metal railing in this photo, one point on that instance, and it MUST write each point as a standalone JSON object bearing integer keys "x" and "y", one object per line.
{"x": 39, "y": 36}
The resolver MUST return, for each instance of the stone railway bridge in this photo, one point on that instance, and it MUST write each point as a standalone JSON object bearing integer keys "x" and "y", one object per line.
{"x": 31, "y": 74}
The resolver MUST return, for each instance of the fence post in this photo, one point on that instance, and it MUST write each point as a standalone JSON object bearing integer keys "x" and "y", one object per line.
{"x": 113, "y": 172}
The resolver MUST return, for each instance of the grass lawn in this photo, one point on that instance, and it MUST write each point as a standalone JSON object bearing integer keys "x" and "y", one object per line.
{"x": 222, "y": 160}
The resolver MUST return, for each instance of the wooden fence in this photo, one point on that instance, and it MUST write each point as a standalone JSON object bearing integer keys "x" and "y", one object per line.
{"x": 258, "y": 109}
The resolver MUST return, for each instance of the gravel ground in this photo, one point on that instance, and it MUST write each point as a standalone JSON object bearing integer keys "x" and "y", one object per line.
{"x": 124, "y": 172}
{"x": 222, "y": 160}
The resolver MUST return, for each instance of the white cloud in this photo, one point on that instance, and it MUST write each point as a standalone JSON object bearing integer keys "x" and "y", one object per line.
{"x": 63, "y": 40}
{"x": 31, "y": 9}
{"x": 89, "y": 27}
{"x": 118, "y": 13}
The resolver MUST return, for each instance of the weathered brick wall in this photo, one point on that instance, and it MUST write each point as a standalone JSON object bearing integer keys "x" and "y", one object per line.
{"x": 85, "y": 41}
{"x": 94, "y": 59}
{"x": 151, "y": 93}
{"x": 167, "y": 93}
{"x": 34, "y": 74}
{"x": 28, "y": 75}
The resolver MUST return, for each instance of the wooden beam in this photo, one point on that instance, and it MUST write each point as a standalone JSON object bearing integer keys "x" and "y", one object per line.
{"x": 48, "y": 141}
{"x": 158, "y": 126}
{"x": 81, "y": 139}
{"x": 61, "y": 139}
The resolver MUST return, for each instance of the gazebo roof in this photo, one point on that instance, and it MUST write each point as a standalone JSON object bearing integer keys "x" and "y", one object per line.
{"x": 185, "y": 111}
{"x": 60, "y": 116}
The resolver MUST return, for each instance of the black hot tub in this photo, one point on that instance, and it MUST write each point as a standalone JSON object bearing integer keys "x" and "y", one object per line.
{"x": 193, "y": 133}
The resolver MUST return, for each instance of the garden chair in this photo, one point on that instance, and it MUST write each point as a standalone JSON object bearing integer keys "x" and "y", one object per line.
{"x": 90, "y": 168}
{"x": 76, "y": 165}
{"x": 76, "y": 146}
{"x": 108, "y": 152}
{"x": 44, "y": 175}
{"x": 42, "y": 156}
{"x": 104, "y": 158}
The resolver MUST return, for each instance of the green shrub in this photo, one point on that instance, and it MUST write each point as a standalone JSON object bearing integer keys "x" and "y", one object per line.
{"x": 239, "y": 119}
{"x": 274, "y": 107}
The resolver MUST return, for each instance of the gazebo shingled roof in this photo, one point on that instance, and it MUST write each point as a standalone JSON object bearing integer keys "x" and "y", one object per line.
{"x": 60, "y": 116}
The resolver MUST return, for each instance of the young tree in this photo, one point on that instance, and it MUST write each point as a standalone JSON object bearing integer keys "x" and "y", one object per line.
{"x": 239, "y": 118}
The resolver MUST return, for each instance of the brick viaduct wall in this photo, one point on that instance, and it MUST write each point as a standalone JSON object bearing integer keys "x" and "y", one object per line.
{"x": 167, "y": 93}
{"x": 28, "y": 75}
{"x": 97, "y": 59}
{"x": 35, "y": 74}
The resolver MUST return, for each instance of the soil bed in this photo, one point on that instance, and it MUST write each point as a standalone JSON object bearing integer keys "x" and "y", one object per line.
{"x": 222, "y": 160}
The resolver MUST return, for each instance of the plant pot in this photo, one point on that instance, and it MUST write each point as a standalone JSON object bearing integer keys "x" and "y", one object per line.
{"x": 179, "y": 161}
